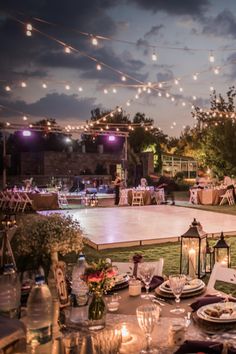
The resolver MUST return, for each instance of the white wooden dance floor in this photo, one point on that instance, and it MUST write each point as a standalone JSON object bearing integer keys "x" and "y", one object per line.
{"x": 127, "y": 226}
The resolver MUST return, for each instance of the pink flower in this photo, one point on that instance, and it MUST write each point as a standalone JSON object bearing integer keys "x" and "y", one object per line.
{"x": 111, "y": 273}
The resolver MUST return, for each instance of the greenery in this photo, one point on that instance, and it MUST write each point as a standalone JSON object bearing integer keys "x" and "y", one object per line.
{"x": 40, "y": 236}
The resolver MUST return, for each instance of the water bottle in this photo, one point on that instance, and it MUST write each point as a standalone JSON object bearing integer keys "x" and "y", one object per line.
{"x": 39, "y": 313}
{"x": 10, "y": 292}
{"x": 79, "y": 292}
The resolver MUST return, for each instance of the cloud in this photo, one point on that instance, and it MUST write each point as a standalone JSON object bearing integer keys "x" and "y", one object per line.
{"x": 174, "y": 7}
{"x": 154, "y": 31}
{"x": 224, "y": 24}
{"x": 58, "y": 106}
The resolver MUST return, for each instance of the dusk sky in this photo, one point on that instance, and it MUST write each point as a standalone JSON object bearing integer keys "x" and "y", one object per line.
{"x": 182, "y": 34}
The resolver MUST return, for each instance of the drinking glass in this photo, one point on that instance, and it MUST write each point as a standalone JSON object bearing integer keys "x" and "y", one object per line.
{"x": 147, "y": 316}
{"x": 146, "y": 272}
{"x": 177, "y": 283}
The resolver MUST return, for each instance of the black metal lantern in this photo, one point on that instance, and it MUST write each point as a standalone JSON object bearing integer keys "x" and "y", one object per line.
{"x": 193, "y": 251}
{"x": 222, "y": 252}
{"x": 209, "y": 257}
{"x": 9, "y": 220}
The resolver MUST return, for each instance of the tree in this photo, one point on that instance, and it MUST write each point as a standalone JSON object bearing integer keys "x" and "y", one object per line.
{"x": 216, "y": 133}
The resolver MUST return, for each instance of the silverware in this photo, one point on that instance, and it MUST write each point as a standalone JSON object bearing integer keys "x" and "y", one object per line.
{"x": 158, "y": 302}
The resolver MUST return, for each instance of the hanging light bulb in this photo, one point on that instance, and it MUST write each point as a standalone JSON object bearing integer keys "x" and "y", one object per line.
{"x": 67, "y": 50}
{"x": 98, "y": 67}
{"x": 23, "y": 84}
{"x": 123, "y": 78}
{"x": 29, "y": 27}
{"x": 119, "y": 109}
{"x": 195, "y": 76}
{"x": 148, "y": 90}
{"x": 174, "y": 123}
{"x": 211, "y": 88}
{"x": 149, "y": 84}
{"x": 160, "y": 85}
{"x": 67, "y": 87}
{"x": 216, "y": 71}
{"x": 128, "y": 103}
{"x": 105, "y": 91}
{"x": 7, "y": 88}
{"x": 211, "y": 58}
{"x": 94, "y": 41}
{"x": 28, "y": 33}
{"x": 181, "y": 89}
{"x": 25, "y": 118}
{"x": 154, "y": 56}
{"x": 194, "y": 98}
{"x": 144, "y": 88}
{"x": 44, "y": 85}
{"x": 137, "y": 96}
{"x": 139, "y": 90}
{"x": 111, "y": 114}
{"x": 167, "y": 95}
{"x": 114, "y": 90}
{"x": 159, "y": 94}
{"x": 117, "y": 129}
{"x": 183, "y": 104}
{"x": 176, "y": 82}
{"x": 172, "y": 99}
{"x": 80, "y": 89}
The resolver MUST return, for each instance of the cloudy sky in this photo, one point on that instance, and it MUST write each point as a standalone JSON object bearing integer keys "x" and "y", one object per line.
{"x": 181, "y": 33}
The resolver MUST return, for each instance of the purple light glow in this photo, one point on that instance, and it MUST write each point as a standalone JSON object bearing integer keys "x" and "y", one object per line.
{"x": 111, "y": 138}
{"x": 26, "y": 133}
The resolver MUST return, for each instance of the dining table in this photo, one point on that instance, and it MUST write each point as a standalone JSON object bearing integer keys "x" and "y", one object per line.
{"x": 44, "y": 201}
{"x": 210, "y": 196}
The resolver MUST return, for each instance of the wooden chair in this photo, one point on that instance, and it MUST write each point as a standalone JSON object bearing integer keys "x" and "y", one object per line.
{"x": 137, "y": 198}
{"x": 123, "y": 197}
{"x": 221, "y": 273}
{"x": 160, "y": 196}
{"x": 193, "y": 196}
{"x": 127, "y": 267}
{"x": 227, "y": 197}
{"x": 25, "y": 202}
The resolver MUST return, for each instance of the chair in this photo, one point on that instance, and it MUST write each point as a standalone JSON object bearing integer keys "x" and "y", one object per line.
{"x": 193, "y": 196}
{"x": 137, "y": 198}
{"x": 62, "y": 200}
{"x": 25, "y": 202}
{"x": 123, "y": 197}
{"x": 127, "y": 267}
{"x": 160, "y": 196}
{"x": 221, "y": 273}
{"x": 227, "y": 197}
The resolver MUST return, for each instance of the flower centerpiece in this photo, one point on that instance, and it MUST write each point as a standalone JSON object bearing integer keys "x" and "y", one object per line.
{"x": 100, "y": 278}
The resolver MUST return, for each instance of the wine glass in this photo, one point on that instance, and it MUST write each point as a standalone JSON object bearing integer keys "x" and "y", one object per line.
{"x": 146, "y": 272}
{"x": 177, "y": 283}
{"x": 147, "y": 316}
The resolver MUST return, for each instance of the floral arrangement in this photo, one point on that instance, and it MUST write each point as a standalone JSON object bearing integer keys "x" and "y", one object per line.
{"x": 38, "y": 235}
{"x": 100, "y": 277}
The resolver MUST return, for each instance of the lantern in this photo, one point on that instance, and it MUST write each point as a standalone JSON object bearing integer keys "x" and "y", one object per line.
{"x": 193, "y": 251}
{"x": 209, "y": 257}
{"x": 222, "y": 252}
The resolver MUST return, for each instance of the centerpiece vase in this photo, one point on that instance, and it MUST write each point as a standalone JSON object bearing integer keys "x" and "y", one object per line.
{"x": 97, "y": 312}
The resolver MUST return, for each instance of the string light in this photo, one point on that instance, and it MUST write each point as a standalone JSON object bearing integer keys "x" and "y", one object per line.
{"x": 167, "y": 95}
{"x": 80, "y": 89}
{"x": 25, "y": 118}
{"x": 181, "y": 89}
{"x": 183, "y": 104}
{"x": 159, "y": 94}
{"x": 67, "y": 87}
{"x": 195, "y": 76}
{"x": 7, "y": 88}
{"x": 216, "y": 71}
{"x": 44, "y": 86}
{"x": 160, "y": 85}
{"x": 148, "y": 90}
{"x": 29, "y": 27}
{"x": 137, "y": 96}
{"x": 123, "y": 78}
{"x": 176, "y": 82}
{"x": 194, "y": 98}
{"x": 172, "y": 99}
{"x": 98, "y": 67}
{"x": 105, "y": 91}
{"x": 128, "y": 103}
{"x": 211, "y": 88}
{"x": 23, "y": 84}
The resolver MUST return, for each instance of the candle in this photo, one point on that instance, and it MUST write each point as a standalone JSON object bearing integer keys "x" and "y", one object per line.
{"x": 126, "y": 337}
{"x": 113, "y": 306}
{"x": 192, "y": 263}
{"x": 134, "y": 287}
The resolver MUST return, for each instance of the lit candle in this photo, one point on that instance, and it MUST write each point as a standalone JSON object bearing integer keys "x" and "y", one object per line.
{"x": 126, "y": 337}
{"x": 192, "y": 263}
{"x": 134, "y": 287}
{"x": 224, "y": 262}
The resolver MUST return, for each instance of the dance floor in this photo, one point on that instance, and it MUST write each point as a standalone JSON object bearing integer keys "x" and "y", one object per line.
{"x": 130, "y": 226}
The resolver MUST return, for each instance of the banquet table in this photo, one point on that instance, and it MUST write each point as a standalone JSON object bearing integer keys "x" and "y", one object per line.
{"x": 44, "y": 201}
{"x": 147, "y": 196}
{"x": 210, "y": 196}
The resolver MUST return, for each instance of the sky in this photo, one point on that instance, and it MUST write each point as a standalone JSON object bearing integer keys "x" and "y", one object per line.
{"x": 181, "y": 33}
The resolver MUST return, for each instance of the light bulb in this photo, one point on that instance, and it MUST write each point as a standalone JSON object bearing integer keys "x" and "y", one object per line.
{"x": 29, "y": 27}
{"x": 159, "y": 94}
{"x": 105, "y": 91}
{"x": 211, "y": 88}
{"x": 194, "y": 98}
{"x": 183, "y": 104}
{"x": 111, "y": 114}
{"x": 67, "y": 87}
{"x": 137, "y": 96}
{"x": 211, "y": 58}
{"x": 181, "y": 89}
{"x": 28, "y": 33}
{"x": 176, "y": 82}
{"x": 114, "y": 90}
{"x": 154, "y": 56}
{"x": 25, "y": 118}
{"x": 7, "y": 88}
{"x": 195, "y": 77}
{"x": 67, "y": 50}
{"x": 123, "y": 78}
{"x": 216, "y": 71}
{"x": 99, "y": 67}
{"x": 128, "y": 103}
{"x": 167, "y": 95}
{"x": 23, "y": 84}
{"x": 44, "y": 85}
{"x": 172, "y": 99}
{"x": 94, "y": 41}
{"x": 160, "y": 85}
{"x": 148, "y": 90}
{"x": 139, "y": 90}
{"x": 80, "y": 89}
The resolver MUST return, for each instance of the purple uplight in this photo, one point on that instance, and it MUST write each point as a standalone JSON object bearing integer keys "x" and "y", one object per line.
{"x": 111, "y": 138}
{"x": 26, "y": 133}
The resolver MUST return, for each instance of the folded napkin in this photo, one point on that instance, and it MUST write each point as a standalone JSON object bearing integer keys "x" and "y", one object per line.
{"x": 203, "y": 347}
{"x": 156, "y": 281}
{"x": 207, "y": 300}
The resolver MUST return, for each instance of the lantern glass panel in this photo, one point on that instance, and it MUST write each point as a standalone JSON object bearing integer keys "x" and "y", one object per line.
{"x": 203, "y": 256}
{"x": 221, "y": 256}
{"x": 190, "y": 256}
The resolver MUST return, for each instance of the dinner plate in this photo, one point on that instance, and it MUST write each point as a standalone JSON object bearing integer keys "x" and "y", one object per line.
{"x": 191, "y": 286}
{"x": 220, "y": 306}
{"x": 170, "y": 295}
{"x": 121, "y": 278}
